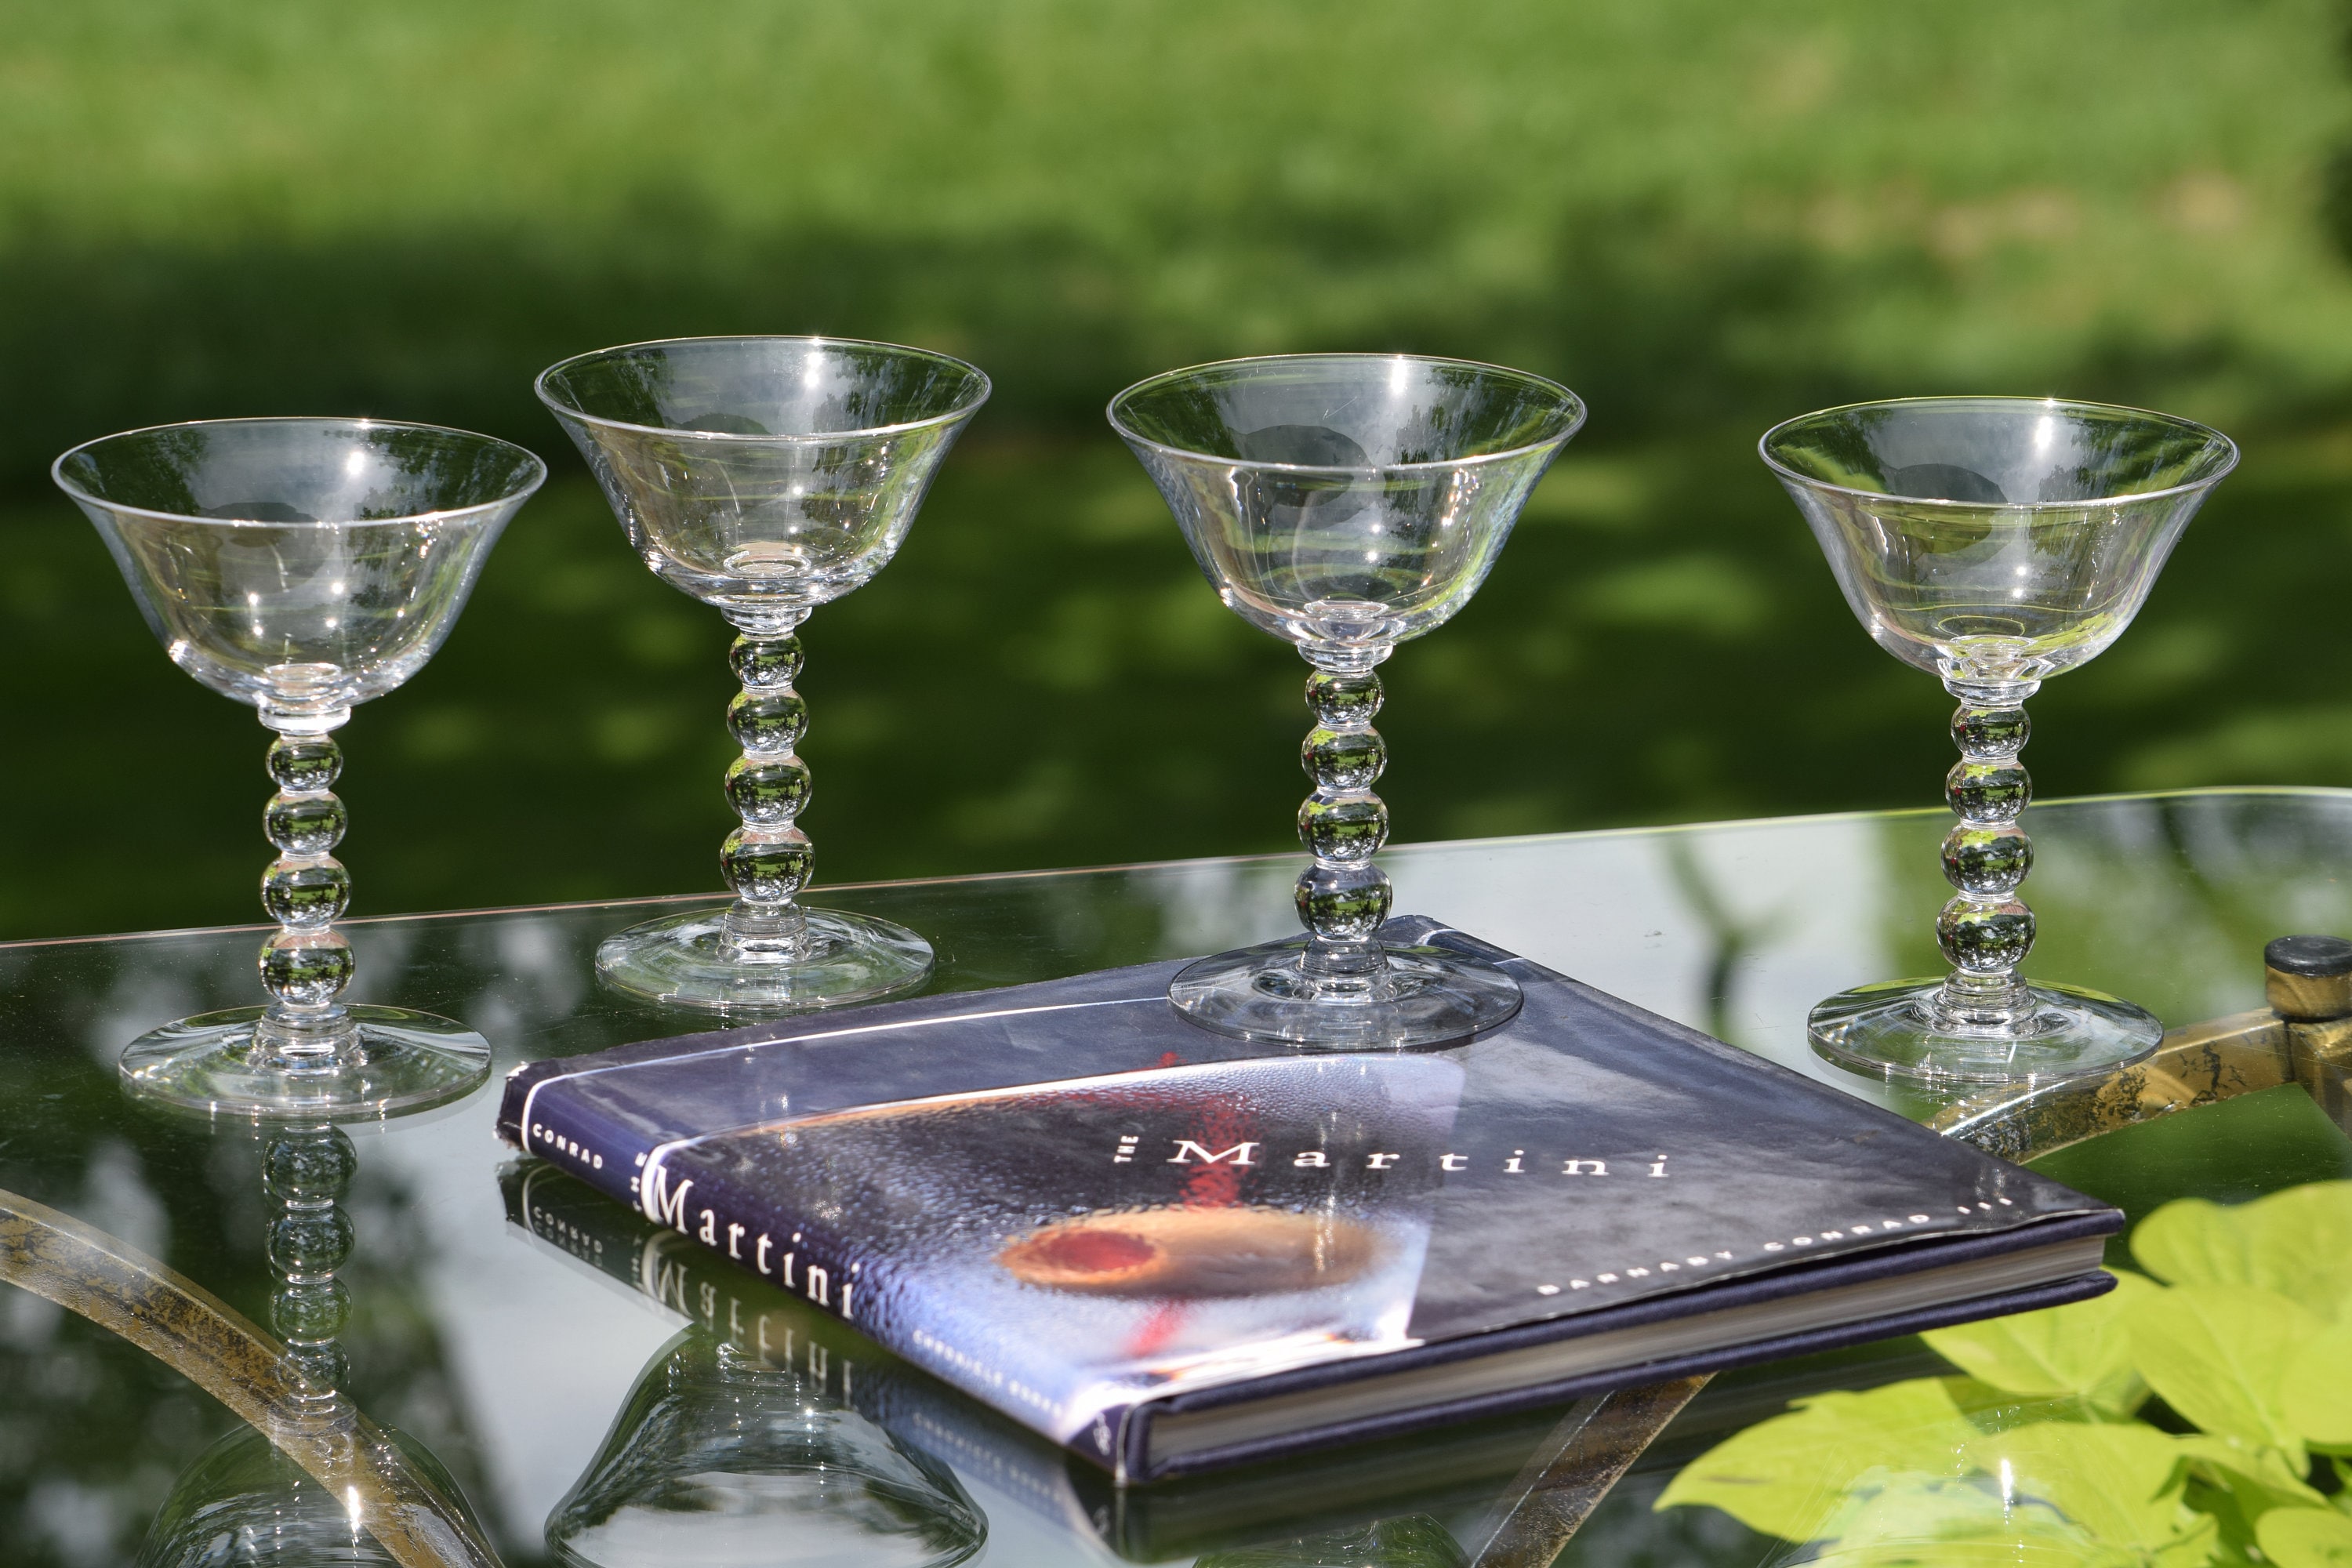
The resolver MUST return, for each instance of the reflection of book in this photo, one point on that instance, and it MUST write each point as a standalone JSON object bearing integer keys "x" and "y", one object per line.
{"x": 1336, "y": 1490}
{"x": 784, "y": 1329}
{"x": 1170, "y": 1251}
{"x": 1460, "y": 1471}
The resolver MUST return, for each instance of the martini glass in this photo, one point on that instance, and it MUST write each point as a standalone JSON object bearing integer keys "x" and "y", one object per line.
{"x": 1345, "y": 503}
{"x": 765, "y": 476}
{"x": 302, "y": 565}
{"x": 1994, "y": 541}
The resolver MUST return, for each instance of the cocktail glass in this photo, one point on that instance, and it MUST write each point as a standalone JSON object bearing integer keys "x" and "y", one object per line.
{"x": 1345, "y": 503}
{"x": 765, "y": 476}
{"x": 302, "y": 565}
{"x": 1994, "y": 541}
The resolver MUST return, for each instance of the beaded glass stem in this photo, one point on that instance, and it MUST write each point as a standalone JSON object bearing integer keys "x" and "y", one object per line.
{"x": 765, "y": 950}
{"x": 765, "y": 477}
{"x": 1984, "y": 929}
{"x": 1345, "y": 503}
{"x": 306, "y": 963}
{"x": 308, "y": 1052}
{"x": 1995, "y": 542}
{"x": 306, "y": 1172}
{"x": 1343, "y": 898}
{"x": 767, "y": 859}
{"x": 302, "y": 566}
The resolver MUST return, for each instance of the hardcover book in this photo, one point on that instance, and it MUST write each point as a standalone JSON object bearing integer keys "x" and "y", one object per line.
{"x": 1171, "y": 1251}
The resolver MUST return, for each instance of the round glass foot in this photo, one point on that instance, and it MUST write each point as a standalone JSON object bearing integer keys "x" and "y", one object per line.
{"x": 1892, "y": 1030}
{"x": 690, "y": 960}
{"x": 394, "y": 1062}
{"x": 1428, "y": 997}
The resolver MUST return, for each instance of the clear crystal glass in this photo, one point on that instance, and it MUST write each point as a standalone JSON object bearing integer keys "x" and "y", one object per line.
{"x": 765, "y": 476}
{"x": 1994, "y": 541}
{"x": 1345, "y": 503}
{"x": 302, "y": 566}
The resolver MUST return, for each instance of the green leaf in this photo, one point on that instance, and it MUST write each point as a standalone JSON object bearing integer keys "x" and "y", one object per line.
{"x": 2080, "y": 1350}
{"x": 2297, "y": 1242}
{"x": 1790, "y": 1476}
{"x": 2191, "y": 1241}
{"x": 2220, "y": 1354}
{"x": 2121, "y": 1482}
{"x": 2318, "y": 1393}
{"x": 2192, "y": 1550}
{"x": 2306, "y": 1538}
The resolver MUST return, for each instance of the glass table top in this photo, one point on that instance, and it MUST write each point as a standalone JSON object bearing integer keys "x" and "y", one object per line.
{"x": 594, "y": 1395}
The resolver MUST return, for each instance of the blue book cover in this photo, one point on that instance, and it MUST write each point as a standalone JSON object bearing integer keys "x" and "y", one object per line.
{"x": 1169, "y": 1250}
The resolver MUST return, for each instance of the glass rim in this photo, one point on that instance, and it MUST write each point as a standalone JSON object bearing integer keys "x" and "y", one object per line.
{"x": 1579, "y": 411}
{"x": 965, "y": 410}
{"x": 1789, "y": 475}
{"x": 537, "y": 472}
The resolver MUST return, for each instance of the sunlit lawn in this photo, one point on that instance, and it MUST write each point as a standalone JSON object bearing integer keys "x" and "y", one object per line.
{"x": 1703, "y": 216}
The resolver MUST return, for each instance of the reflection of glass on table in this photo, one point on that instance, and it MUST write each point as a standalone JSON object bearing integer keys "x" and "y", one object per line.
{"x": 721, "y": 1454}
{"x": 511, "y": 1365}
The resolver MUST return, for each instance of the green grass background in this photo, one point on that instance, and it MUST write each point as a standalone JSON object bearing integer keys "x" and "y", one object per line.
{"x": 1703, "y": 217}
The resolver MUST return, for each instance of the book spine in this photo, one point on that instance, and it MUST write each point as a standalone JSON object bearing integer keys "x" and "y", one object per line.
{"x": 668, "y": 1182}
{"x": 797, "y": 1255}
{"x": 685, "y": 1279}
{"x": 550, "y": 1118}
{"x": 695, "y": 1197}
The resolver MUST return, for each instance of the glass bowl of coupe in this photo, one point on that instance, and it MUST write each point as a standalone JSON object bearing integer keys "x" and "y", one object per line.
{"x": 1994, "y": 543}
{"x": 1344, "y": 503}
{"x": 302, "y": 566}
{"x": 765, "y": 476}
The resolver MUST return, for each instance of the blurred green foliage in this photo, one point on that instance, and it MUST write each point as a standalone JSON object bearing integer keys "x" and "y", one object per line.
{"x": 2033, "y": 1453}
{"x": 1703, "y": 217}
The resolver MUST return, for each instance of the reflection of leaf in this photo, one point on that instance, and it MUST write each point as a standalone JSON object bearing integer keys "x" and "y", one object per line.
{"x": 1415, "y": 1540}
{"x": 1790, "y": 1476}
{"x": 2219, "y": 1355}
{"x": 2297, "y": 1242}
{"x": 2318, "y": 1393}
{"x": 2121, "y": 1482}
{"x": 2080, "y": 1350}
{"x": 1898, "y": 1476}
{"x": 1959, "y": 1524}
{"x": 2257, "y": 1477}
{"x": 2238, "y": 1483}
{"x": 2306, "y": 1538}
